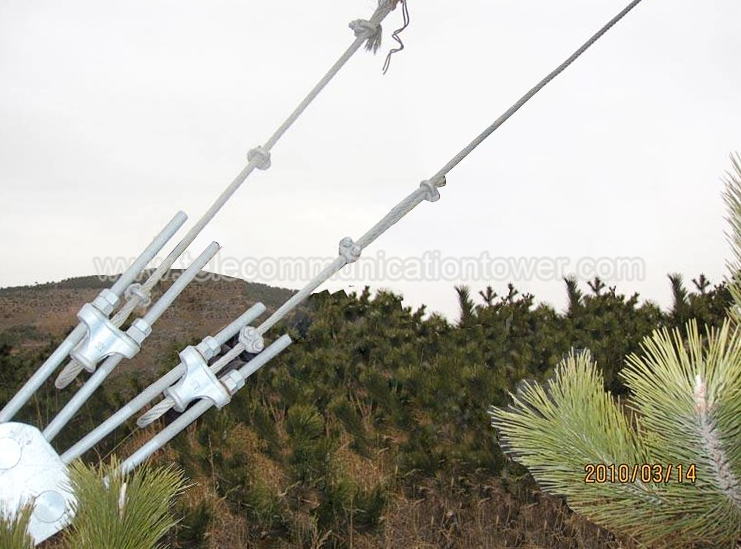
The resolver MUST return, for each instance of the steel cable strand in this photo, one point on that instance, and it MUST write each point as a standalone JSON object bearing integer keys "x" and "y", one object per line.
{"x": 427, "y": 191}
{"x": 258, "y": 157}
{"x": 439, "y": 177}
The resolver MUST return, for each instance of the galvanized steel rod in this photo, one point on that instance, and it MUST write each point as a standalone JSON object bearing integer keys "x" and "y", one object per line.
{"x": 76, "y": 402}
{"x": 153, "y": 390}
{"x": 118, "y": 419}
{"x": 195, "y": 411}
{"x": 57, "y": 357}
{"x": 81, "y": 396}
{"x": 129, "y": 276}
{"x": 162, "y": 304}
{"x": 259, "y": 361}
{"x": 263, "y": 157}
{"x": 42, "y": 374}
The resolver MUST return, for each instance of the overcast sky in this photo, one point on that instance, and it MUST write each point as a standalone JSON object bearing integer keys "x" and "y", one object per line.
{"x": 116, "y": 114}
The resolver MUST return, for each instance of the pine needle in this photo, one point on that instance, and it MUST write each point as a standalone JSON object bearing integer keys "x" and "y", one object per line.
{"x": 14, "y": 530}
{"x": 122, "y": 511}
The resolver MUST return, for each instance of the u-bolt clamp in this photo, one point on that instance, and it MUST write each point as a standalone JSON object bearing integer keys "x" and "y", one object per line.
{"x": 103, "y": 339}
{"x": 197, "y": 382}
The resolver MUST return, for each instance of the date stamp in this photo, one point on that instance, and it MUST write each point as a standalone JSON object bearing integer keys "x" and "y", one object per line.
{"x": 623, "y": 473}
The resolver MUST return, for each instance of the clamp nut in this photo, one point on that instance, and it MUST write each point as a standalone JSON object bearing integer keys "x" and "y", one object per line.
{"x": 209, "y": 347}
{"x": 233, "y": 381}
{"x": 106, "y": 301}
{"x": 139, "y": 330}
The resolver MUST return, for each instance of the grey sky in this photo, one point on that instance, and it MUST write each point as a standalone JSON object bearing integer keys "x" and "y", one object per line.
{"x": 114, "y": 115}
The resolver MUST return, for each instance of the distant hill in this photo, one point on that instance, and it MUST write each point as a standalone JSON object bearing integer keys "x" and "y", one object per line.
{"x": 30, "y": 316}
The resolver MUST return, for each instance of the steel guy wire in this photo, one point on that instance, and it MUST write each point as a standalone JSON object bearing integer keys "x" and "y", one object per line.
{"x": 350, "y": 251}
{"x": 366, "y": 31}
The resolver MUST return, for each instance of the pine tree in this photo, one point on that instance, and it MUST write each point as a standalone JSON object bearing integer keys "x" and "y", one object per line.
{"x": 612, "y": 460}
{"x": 14, "y": 530}
{"x": 111, "y": 510}
{"x": 118, "y": 511}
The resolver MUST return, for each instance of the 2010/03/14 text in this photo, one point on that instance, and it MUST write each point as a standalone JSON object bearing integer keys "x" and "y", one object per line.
{"x": 601, "y": 473}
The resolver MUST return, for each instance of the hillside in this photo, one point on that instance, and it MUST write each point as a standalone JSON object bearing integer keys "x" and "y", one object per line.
{"x": 371, "y": 430}
{"x": 31, "y": 316}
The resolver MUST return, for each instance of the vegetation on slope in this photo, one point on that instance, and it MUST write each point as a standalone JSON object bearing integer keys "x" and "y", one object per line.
{"x": 372, "y": 430}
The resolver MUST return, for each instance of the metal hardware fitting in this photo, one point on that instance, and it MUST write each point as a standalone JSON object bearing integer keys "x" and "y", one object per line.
{"x": 349, "y": 250}
{"x": 261, "y": 156}
{"x": 198, "y": 382}
{"x": 251, "y": 340}
{"x": 209, "y": 347}
{"x": 31, "y": 472}
{"x": 106, "y": 301}
{"x": 137, "y": 290}
{"x": 103, "y": 339}
{"x": 433, "y": 195}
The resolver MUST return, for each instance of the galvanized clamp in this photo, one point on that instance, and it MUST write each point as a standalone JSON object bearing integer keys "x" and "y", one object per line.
{"x": 103, "y": 339}
{"x": 197, "y": 382}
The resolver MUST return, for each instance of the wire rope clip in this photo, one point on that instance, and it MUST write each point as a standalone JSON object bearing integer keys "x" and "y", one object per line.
{"x": 198, "y": 382}
{"x": 349, "y": 250}
{"x": 103, "y": 339}
{"x": 261, "y": 156}
{"x": 251, "y": 340}
{"x": 138, "y": 291}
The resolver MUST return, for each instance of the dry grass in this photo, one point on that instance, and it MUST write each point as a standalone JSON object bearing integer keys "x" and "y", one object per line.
{"x": 365, "y": 473}
{"x": 491, "y": 519}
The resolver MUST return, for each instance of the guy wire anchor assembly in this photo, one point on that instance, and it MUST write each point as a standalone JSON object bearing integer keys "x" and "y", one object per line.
{"x": 366, "y": 32}
{"x": 25, "y": 451}
{"x": 99, "y": 309}
{"x": 31, "y": 471}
